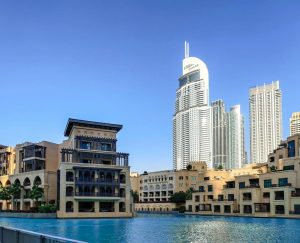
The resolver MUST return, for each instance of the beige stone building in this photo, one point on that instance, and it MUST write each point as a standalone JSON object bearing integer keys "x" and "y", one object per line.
{"x": 156, "y": 188}
{"x": 94, "y": 179}
{"x": 85, "y": 175}
{"x": 262, "y": 190}
{"x": 29, "y": 164}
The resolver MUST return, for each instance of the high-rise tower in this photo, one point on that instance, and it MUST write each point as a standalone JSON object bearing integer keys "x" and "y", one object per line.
{"x": 265, "y": 121}
{"x": 295, "y": 123}
{"x": 192, "y": 128}
{"x": 220, "y": 129}
{"x": 236, "y": 139}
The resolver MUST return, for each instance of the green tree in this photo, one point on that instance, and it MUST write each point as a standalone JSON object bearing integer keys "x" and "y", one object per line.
{"x": 189, "y": 167}
{"x": 220, "y": 167}
{"x": 15, "y": 193}
{"x": 36, "y": 193}
{"x": 188, "y": 194}
{"x": 5, "y": 194}
{"x": 178, "y": 197}
{"x": 135, "y": 196}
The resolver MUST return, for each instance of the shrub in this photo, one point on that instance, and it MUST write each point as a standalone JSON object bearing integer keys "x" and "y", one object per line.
{"x": 181, "y": 209}
{"x": 47, "y": 208}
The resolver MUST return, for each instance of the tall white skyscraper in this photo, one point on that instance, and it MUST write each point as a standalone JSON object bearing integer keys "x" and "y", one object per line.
{"x": 295, "y": 123}
{"x": 192, "y": 128}
{"x": 220, "y": 130}
{"x": 236, "y": 139}
{"x": 265, "y": 121}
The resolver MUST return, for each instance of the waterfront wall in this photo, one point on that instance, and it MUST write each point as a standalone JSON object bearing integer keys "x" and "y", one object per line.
{"x": 13, "y": 235}
{"x": 28, "y": 215}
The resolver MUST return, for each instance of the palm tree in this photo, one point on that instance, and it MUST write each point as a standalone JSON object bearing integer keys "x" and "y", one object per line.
{"x": 36, "y": 193}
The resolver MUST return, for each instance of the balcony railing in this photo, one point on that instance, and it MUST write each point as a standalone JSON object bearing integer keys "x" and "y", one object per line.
{"x": 96, "y": 194}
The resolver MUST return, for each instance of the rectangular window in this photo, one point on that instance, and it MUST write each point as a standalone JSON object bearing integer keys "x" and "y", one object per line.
{"x": 291, "y": 148}
{"x": 267, "y": 183}
{"x": 288, "y": 167}
{"x": 106, "y": 146}
{"x": 209, "y": 188}
{"x": 85, "y": 145}
{"x": 201, "y": 189}
{"x": 282, "y": 181}
{"x": 242, "y": 184}
{"x": 206, "y": 178}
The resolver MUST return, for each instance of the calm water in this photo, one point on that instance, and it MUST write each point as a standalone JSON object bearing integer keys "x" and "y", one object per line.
{"x": 166, "y": 228}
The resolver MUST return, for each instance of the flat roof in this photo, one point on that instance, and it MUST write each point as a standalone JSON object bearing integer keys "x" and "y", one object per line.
{"x": 83, "y": 123}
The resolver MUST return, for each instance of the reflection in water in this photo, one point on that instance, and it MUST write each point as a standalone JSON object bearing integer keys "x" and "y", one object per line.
{"x": 165, "y": 228}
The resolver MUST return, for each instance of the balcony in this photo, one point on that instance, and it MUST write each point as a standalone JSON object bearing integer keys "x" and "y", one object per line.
{"x": 96, "y": 194}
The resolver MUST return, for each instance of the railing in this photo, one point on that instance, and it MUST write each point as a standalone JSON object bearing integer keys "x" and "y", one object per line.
{"x": 8, "y": 234}
{"x": 96, "y": 194}
{"x": 295, "y": 194}
{"x": 293, "y": 212}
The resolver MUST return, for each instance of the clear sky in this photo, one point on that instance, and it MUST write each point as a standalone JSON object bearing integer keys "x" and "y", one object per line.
{"x": 119, "y": 61}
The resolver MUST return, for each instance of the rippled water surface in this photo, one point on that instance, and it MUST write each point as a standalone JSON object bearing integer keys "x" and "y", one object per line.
{"x": 165, "y": 228}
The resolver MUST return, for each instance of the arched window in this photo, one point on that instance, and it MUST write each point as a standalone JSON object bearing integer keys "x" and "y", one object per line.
{"x": 151, "y": 188}
{"x": 26, "y": 182}
{"x": 157, "y": 187}
{"x": 7, "y": 183}
{"x": 164, "y": 187}
{"x": 170, "y": 186}
{"x": 37, "y": 181}
{"x": 145, "y": 188}
{"x": 17, "y": 181}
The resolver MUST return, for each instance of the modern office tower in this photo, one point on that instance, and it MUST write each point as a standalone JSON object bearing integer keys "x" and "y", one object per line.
{"x": 295, "y": 123}
{"x": 236, "y": 139}
{"x": 219, "y": 128}
{"x": 265, "y": 120}
{"x": 192, "y": 128}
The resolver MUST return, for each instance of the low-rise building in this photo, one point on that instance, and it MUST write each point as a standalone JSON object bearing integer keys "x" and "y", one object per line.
{"x": 262, "y": 190}
{"x": 93, "y": 178}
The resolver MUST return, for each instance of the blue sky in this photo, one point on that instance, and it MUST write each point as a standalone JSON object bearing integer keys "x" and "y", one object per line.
{"x": 119, "y": 61}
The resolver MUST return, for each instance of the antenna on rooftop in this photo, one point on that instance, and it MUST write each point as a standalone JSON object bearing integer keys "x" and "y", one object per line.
{"x": 186, "y": 49}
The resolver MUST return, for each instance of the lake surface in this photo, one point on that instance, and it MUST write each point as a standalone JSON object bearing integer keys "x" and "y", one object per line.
{"x": 166, "y": 228}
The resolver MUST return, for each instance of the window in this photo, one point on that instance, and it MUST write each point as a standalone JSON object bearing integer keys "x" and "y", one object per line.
{"x": 291, "y": 148}
{"x": 230, "y": 197}
{"x": 288, "y": 167}
{"x": 266, "y": 195}
{"x": 201, "y": 189}
{"x": 85, "y": 145}
{"x": 279, "y": 195}
{"x": 209, "y": 188}
{"x": 206, "y": 178}
{"x": 267, "y": 183}
{"x": 171, "y": 178}
{"x": 106, "y": 147}
{"x": 242, "y": 184}
{"x": 282, "y": 181}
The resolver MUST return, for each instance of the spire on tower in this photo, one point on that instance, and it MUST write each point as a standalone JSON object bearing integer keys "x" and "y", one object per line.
{"x": 186, "y": 49}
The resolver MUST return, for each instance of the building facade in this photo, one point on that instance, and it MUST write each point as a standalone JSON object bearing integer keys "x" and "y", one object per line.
{"x": 192, "y": 123}
{"x": 156, "y": 188}
{"x": 28, "y": 164}
{"x": 220, "y": 134}
{"x": 93, "y": 178}
{"x": 84, "y": 176}
{"x": 265, "y": 121}
{"x": 271, "y": 189}
{"x": 236, "y": 139}
{"x": 295, "y": 123}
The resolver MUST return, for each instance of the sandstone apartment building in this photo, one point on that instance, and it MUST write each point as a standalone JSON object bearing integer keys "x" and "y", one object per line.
{"x": 84, "y": 175}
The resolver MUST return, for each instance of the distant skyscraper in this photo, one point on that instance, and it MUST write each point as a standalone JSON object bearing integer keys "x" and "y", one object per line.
{"x": 192, "y": 131}
{"x": 295, "y": 123}
{"x": 219, "y": 128}
{"x": 236, "y": 139}
{"x": 265, "y": 121}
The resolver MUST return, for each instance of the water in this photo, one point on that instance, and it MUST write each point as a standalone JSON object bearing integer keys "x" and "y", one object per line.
{"x": 166, "y": 228}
